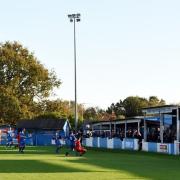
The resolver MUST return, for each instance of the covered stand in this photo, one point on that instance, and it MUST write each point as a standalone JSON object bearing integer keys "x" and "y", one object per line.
{"x": 161, "y": 125}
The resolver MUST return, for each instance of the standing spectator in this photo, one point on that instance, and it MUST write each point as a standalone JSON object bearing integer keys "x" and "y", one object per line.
{"x": 139, "y": 137}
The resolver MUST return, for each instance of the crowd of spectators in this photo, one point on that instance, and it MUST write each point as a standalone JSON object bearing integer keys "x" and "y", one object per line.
{"x": 120, "y": 133}
{"x": 169, "y": 135}
{"x": 153, "y": 135}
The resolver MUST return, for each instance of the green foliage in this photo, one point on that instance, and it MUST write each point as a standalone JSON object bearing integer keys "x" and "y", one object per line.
{"x": 50, "y": 115}
{"x": 25, "y": 85}
{"x": 10, "y": 107}
{"x": 117, "y": 108}
{"x": 132, "y": 105}
{"x": 23, "y": 80}
{"x": 154, "y": 101}
{"x": 90, "y": 113}
{"x": 60, "y": 109}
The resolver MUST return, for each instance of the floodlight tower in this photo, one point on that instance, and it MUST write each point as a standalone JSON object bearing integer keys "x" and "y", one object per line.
{"x": 75, "y": 18}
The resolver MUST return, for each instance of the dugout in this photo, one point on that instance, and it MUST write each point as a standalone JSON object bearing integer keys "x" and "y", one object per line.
{"x": 43, "y": 130}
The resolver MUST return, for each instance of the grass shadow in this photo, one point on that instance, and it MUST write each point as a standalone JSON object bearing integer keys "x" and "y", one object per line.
{"x": 35, "y": 166}
{"x": 146, "y": 165}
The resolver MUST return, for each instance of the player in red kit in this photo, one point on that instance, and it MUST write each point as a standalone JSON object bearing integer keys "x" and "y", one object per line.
{"x": 79, "y": 148}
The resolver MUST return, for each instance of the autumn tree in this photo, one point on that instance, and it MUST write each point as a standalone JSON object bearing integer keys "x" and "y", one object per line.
{"x": 23, "y": 81}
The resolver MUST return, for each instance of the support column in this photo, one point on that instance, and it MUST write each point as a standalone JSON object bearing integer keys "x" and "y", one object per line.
{"x": 100, "y": 129}
{"x": 115, "y": 128}
{"x": 125, "y": 129}
{"x": 138, "y": 126}
{"x": 92, "y": 130}
{"x": 161, "y": 127}
{"x": 177, "y": 122}
{"x": 110, "y": 127}
{"x": 145, "y": 129}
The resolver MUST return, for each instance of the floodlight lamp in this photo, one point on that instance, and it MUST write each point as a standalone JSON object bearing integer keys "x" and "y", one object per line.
{"x": 71, "y": 20}
{"x": 69, "y": 15}
{"x": 73, "y": 15}
{"x": 78, "y": 15}
{"x": 78, "y": 20}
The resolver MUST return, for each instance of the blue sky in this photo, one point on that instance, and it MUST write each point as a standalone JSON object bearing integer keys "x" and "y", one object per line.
{"x": 124, "y": 48}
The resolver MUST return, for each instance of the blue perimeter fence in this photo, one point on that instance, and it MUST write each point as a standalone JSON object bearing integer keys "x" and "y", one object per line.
{"x": 35, "y": 139}
{"x": 46, "y": 139}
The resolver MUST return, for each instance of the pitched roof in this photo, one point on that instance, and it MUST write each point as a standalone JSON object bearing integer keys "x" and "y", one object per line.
{"x": 54, "y": 124}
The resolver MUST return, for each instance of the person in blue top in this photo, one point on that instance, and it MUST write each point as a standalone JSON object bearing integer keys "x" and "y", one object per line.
{"x": 58, "y": 143}
{"x": 72, "y": 140}
{"x": 9, "y": 140}
{"x": 22, "y": 141}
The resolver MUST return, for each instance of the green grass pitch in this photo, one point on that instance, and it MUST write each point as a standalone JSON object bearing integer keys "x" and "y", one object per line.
{"x": 41, "y": 163}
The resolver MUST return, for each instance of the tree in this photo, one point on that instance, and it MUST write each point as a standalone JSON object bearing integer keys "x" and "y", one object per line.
{"x": 23, "y": 81}
{"x": 132, "y": 106}
{"x": 90, "y": 114}
{"x": 155, "y": 101}
{"x": 118, "y": 109}
{"x": 60, "y": 109}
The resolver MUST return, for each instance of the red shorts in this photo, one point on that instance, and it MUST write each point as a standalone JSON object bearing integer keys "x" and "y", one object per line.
{"x": 82, "y": 150}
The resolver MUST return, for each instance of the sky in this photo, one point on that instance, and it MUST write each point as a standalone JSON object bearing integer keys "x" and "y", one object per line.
{"x": 124, "y": 47}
